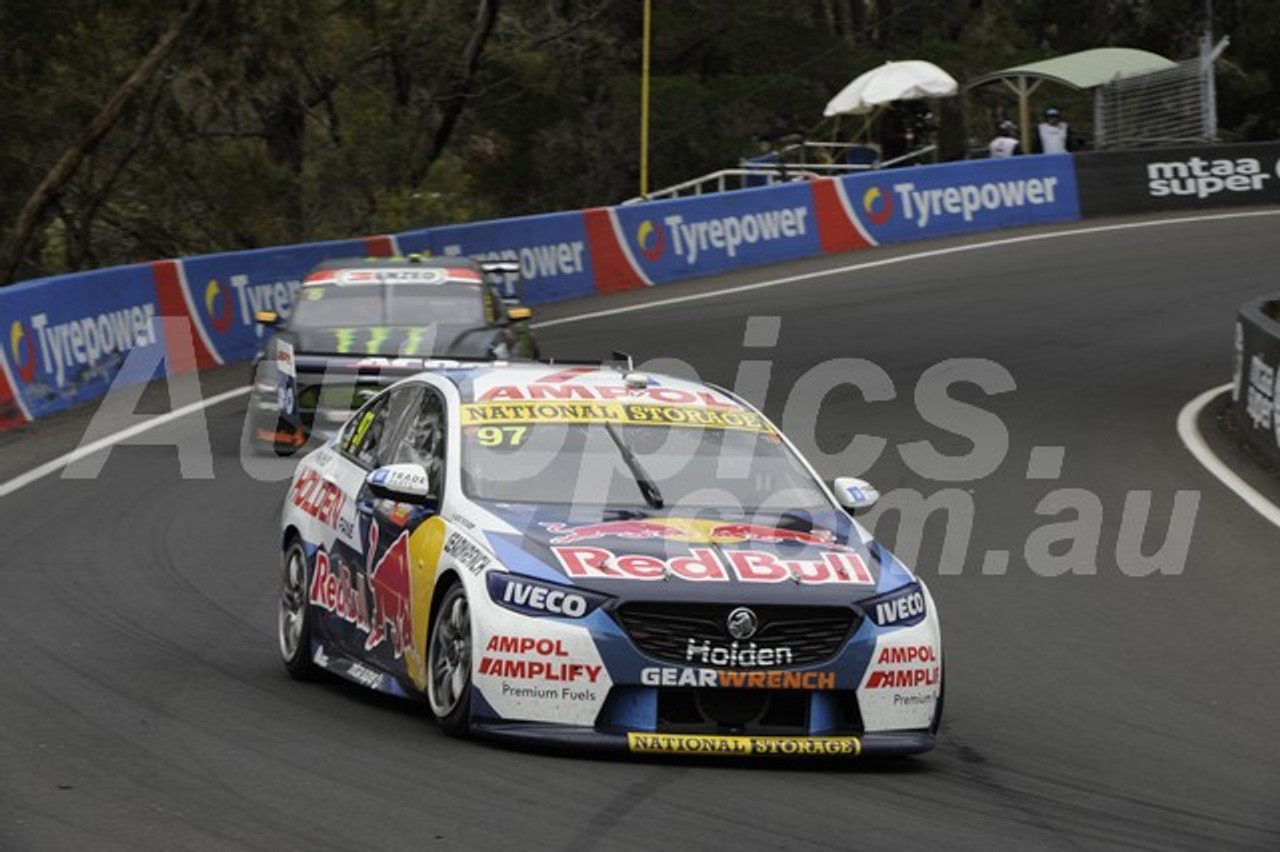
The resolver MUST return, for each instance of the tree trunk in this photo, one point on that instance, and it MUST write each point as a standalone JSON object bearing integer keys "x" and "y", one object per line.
{"x": 16, "y": 241}
{"x": 451, "y": 110}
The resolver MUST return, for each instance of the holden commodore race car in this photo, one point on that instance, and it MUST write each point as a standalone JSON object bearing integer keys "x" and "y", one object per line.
{"x": 591, "y": 556}
{"x": 359, "y": 325}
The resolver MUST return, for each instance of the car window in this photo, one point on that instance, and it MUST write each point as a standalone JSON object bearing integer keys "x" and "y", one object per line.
{"x": 369, "y": 437}
{"x": 422, "y": 441}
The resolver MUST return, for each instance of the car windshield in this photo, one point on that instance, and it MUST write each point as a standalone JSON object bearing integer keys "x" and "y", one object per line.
{"x": 358, "y": 305}
{"x": 620, "y": 464}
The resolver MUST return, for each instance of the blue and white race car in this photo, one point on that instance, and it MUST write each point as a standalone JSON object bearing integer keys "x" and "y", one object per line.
{"x": 593, "y": 556}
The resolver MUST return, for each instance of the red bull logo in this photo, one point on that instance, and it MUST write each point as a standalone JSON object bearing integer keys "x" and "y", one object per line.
{"x": 877, "y": 205}
{"x": 392, "y": 603}
{"x": 385, "y": 610}
{"x": 690, "y": 530}
{"x": 651, "y": 240}
{"x": 217, "y": 303}
{"x": 22, "y": 346}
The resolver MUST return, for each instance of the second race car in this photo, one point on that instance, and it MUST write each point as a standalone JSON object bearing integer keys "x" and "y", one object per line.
{"x": 358, "y": 325}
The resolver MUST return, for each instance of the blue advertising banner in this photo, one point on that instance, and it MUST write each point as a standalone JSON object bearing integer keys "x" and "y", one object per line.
{"x": 687, "y": 237}
{"x": 67, "y": 337}
{"x": 224, "y": 291}
{"x": 897, "y": 205}
{"x": 555, "y": 263}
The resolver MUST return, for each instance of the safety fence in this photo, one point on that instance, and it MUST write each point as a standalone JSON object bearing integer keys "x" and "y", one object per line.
{"x": 66, "y": 338}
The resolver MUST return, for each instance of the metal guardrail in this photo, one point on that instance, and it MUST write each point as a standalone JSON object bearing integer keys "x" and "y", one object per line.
{"x": 794, "y": 163}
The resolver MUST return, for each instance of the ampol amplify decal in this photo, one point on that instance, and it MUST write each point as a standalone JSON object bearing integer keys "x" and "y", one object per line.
{"x": 67, "y": 338}
{"x": 683, "y": 238}
{"x": 896, "y": 205}
{"x": 552, "y": 251}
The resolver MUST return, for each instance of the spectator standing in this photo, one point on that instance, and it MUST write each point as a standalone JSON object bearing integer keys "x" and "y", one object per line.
{"x": 1053, "y": 132}
{"x": 1006, "y": 142}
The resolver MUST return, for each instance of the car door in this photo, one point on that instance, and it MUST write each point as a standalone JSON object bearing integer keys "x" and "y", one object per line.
{"x": 402, "y": 540}
{"x": 357, "y": 627}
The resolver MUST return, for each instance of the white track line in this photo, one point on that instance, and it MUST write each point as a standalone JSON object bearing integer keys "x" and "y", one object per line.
{"x": 891, "y": 261}
{"x": 1190, "y": 436}
{"x": 62, "y": 461}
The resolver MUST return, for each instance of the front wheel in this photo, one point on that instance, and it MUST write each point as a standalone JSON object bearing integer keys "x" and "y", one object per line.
{"x": 449, "y": 663}
{"x": 294, "y": 621}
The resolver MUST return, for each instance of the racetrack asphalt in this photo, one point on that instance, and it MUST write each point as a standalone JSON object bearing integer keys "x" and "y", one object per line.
{"x": 144, "y": 706}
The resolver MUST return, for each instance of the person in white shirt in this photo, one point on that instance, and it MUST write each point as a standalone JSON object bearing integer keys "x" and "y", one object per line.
{"x": 1053, "y": 132}
{"x": 1006, "y": 142}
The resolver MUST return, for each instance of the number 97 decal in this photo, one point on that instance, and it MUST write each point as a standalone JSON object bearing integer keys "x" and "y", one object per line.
{"x": 501, "y": 436}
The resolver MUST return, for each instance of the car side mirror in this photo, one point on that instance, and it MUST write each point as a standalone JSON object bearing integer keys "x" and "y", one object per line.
{"x": 404, "y": 483}
{"x": 267, "y": 318}
{"x": 854, "y": 494}
{"x": 519, "y": 312}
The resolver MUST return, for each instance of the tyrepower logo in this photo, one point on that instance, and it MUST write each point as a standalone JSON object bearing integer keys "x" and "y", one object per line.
{"x": 650, "y": 240}
{"x": 217, "y": 302}
{"x": 22, "y": 347}
{"x": 965, "y": 201}
{"x": 1202, "y": 178}
{"x": 877, "y": 205}
{"x": 694, "y": 240}
{"x": 547, "y": 260}
{"x": 83, "y": 341}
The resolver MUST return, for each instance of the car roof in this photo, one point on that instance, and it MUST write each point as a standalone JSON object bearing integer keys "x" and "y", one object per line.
{"x": 579, "y": 382}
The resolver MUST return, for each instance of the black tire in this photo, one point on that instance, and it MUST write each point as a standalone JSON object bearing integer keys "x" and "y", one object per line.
{"x": 293, "y": 621}
{"x": 449, "y": 663}
{"x": 942, "y": 694}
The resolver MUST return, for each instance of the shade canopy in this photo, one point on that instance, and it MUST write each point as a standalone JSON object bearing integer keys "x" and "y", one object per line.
{"x": 1087, "y": 69}
{"x": 892, "y": 81}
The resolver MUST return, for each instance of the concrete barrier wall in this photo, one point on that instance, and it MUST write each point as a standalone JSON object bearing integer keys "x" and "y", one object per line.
{"x": 65, "y": 337}
{"x": 1255, "y": 393}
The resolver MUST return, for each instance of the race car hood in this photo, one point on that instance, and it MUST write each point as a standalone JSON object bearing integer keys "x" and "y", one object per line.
{"x": 811, "y": 558}
{"x": 440, "y": 339}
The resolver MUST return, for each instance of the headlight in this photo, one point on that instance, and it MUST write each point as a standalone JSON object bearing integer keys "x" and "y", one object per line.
{"x": 534, "y": 597}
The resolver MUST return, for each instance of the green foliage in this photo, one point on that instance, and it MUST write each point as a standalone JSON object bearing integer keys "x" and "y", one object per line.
{"x": 289, "y": 120}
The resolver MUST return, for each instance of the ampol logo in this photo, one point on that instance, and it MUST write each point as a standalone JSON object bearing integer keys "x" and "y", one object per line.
{"x": 217, "y": 301}
{"x": 651, "y": 240}
{"x": 23, "y": 348}
{"x": 878, "y": 206}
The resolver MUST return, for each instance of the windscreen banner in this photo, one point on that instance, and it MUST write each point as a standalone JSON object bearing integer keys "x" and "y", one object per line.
{"x": 898, "y": 205}
{"x": 552, "y": 250}
{"x": 1158, "y": 180}
{"x": 1255, "y": 393}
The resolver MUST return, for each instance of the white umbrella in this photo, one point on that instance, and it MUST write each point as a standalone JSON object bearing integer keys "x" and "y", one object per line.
{"x": 892, "y": 81}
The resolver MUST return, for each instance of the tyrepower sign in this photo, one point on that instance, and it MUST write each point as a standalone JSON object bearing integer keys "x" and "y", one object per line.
{"x": 68, "y": 339}
{"x": 1178, "y": 178}
{"x": 669, "y": 240}
{"x": 895, "y": 205}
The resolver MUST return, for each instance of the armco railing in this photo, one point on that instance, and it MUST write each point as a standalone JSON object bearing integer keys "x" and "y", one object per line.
{"x": 801, "y": 161}
{"x": 66, "y": 339}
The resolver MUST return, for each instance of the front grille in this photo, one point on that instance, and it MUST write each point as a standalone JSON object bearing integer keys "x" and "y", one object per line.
{"x": 698, "y": 634}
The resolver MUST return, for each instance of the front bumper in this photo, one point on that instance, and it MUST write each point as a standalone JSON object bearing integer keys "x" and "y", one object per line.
{"x": 875, "y": 744}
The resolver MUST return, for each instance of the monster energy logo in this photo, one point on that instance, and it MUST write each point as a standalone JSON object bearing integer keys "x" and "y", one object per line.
{"x": 371, "y": 340}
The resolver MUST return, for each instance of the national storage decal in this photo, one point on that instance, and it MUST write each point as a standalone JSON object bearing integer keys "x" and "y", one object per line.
{"x": 896, "y": 205}
{"x": 72, "y": 348}
{"x": 687, "y": 237}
